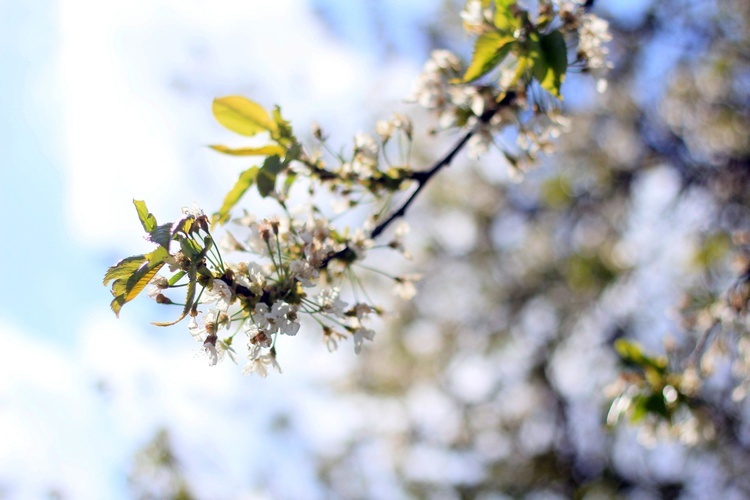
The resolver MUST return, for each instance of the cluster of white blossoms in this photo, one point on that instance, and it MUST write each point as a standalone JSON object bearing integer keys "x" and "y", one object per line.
{"x": 298, "y": 267}
{"x": 457, "y": 103}
{"x": 593, "y": 34}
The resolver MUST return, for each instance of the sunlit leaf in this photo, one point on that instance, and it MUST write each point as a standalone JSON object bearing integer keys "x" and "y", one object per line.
{"x": 288, "y": 182}
{"x": 504, "y": 19}
{"x": 177, "y": 277}
{"x": 283, "y": 132}
{"x": 147, "y": 219}
{"x": 124, "y": 268}
{"x": 489, "y": 50}
{"x": 140, "y": 279}
{"x": 183, "y": 225}
{"x": 127, "y": 287}
{"x": 243, "y": 116}
{"x": 190, "y": 248}
{"x": 245, "y": 181}
{"x": 271, "y": 149}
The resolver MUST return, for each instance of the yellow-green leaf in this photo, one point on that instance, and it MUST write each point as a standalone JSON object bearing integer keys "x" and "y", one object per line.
{"x": 271, "y": 149}
{"x": 247, "y": 178}
{"x": 284, "y": 133}
{"x": 489, "y": 51}
{"x": 505, "y": 19}
{"x": 129, "y": 282}
{"x": 147, "y": 219}
{"x": 243, "y": 116}
{"x": 124, "y": 268}
{"x": 141, "y": 280}
{"x": 632, "y": 353}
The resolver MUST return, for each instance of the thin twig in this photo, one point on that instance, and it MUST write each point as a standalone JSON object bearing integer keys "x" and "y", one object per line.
{"x": 700, "y": 346}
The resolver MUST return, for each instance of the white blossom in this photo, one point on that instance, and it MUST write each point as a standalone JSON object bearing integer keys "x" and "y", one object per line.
{"x": 283, "y": 318}
{"x": 209, "y": 347}
{"x": 404, "y": 286}
{"x": 330, "y": 303}
{"x": 479, "y": 143}
{"x": 365, "y": 154}
{"x": 384, "y": 128}
{"x": 194, "y": 211}
{"x": 360, "y": 335}
{"x": 359, "y": 243}
{"x": 220, "y": 293}
{"x": 253, "y": 278}
{"x": 445, "y": 60}
{"x": 228, "y": 243}
{"x": 157, "y": 285}
{"x": 474, "y": 16}
{"x": 304, "y": 272}
{"x": 261, "y": 365}
{"x": 205, "y": 328}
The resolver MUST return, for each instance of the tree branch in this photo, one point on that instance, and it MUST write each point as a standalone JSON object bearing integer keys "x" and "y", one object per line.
{"x": 424, "y": 176}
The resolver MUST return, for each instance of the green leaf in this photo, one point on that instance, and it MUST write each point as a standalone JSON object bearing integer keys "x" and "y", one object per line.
{"x": 266, "y": 178}
{"x": 489, "y": 51}
{"x": 247, "y": 178}
{"x": 271, "y": 149}
{"x": 505, "y": 20}
{"x": 243, "y": 116}
{"x": 644, "y": 404}
{"x": 177, "y": 277}
{"x": 266, "y": 183}
{"x": 124, "y": 268}
{"x": 190, "y": 248}
{"x": 161, "y": 235}
{"x": 550, "y": 57}
{"x": 293, "y": 153}
{"x": 284, "y": 132}
{"x": 138, "y": 281}
{"x": 632, "y": 354}
{"x": 147, "y": 219}
{"x": 129, "y": 282}
{"x": 184, "y": 225}
{"x": 273, "y": 165}
{"x": 288, "y": 182}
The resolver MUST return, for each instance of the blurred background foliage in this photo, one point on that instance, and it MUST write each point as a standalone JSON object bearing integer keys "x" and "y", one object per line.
{"x": 581, "y": 333}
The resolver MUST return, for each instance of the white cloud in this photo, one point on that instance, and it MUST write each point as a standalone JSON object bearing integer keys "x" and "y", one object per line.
{"x": 51, "y": 438}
